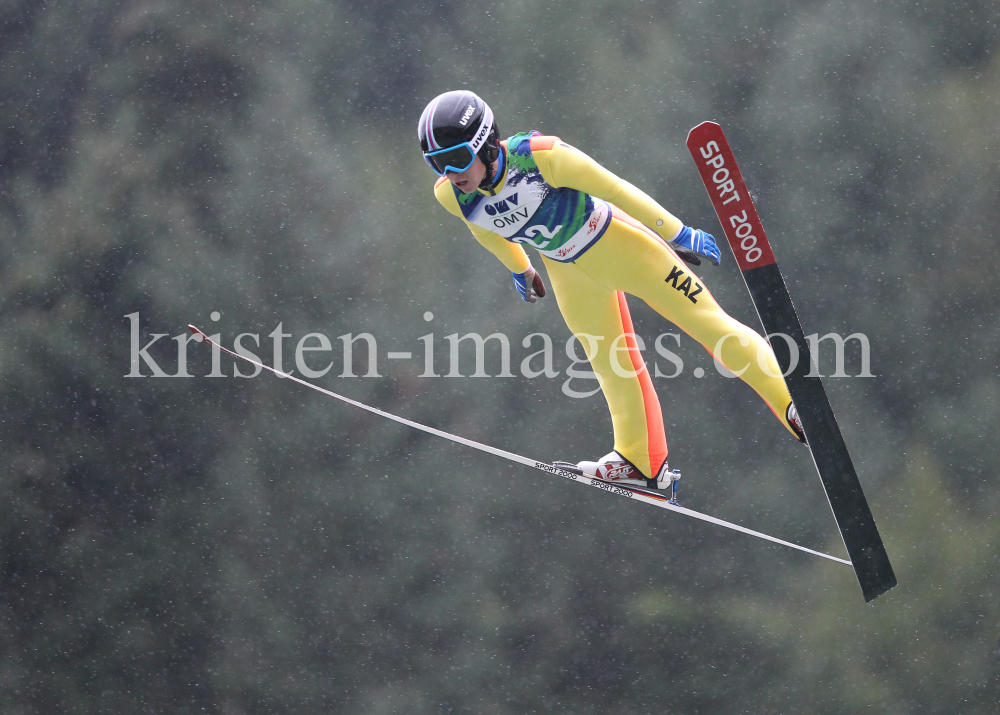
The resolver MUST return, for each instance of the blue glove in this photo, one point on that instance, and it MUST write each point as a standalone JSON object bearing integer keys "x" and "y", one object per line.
{"x": 693, "y": 244}
{"x": 529, "y": 285}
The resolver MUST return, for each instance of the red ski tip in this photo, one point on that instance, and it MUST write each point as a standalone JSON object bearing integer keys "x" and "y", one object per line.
{"x": 201, "y": 336}
{"x": 705, "y": 125}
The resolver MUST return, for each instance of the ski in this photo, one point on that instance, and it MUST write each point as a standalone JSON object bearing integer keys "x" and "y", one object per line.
{"x": 756, "y": 261}
{"x": 635, "y": 493}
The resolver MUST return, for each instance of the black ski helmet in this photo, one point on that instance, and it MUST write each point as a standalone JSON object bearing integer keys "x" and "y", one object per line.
{"x": 459, "y": 117}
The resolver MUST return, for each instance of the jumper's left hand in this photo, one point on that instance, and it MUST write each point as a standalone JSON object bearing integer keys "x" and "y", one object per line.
{"x": 693, "y": 244}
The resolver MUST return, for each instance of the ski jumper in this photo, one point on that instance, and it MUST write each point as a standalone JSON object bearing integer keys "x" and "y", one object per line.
{"x": 600, "y": 237}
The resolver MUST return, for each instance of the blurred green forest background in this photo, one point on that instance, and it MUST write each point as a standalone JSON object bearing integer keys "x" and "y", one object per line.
{"x": 230, "y": 546}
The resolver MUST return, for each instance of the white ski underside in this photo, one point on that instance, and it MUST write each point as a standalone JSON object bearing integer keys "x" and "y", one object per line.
{"x": 635, "y": 493}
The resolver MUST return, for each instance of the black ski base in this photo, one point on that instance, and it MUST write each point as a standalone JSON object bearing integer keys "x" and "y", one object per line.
{"x": 824, "y": 439}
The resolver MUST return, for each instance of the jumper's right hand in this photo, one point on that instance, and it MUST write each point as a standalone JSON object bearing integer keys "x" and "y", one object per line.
{"x": 529, "y": 284}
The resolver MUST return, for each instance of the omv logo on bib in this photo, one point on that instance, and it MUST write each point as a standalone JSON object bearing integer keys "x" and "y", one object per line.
{"x": 502, "y": 206}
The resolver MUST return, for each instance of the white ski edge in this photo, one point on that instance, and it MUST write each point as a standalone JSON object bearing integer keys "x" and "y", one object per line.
{"x": 637, "y": 494}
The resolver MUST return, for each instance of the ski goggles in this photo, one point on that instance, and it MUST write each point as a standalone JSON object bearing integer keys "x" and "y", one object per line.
{"x": 456, "y": 158}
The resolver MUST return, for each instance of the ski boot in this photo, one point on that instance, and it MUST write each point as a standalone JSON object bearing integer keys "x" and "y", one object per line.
{"x": 792, "y": 417}
{"x": 615, "y": 469}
